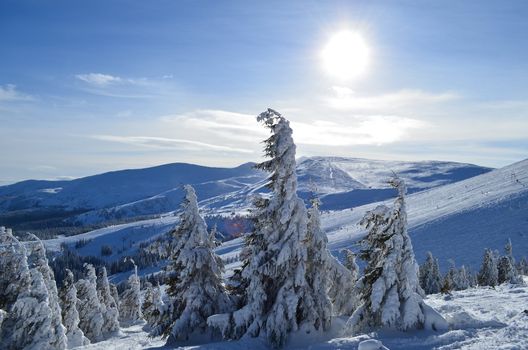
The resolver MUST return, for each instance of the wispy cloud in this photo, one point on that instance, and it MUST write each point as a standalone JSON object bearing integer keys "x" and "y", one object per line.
{"x": 107, "y": 80}
{"x": 126, "y": 87}
{"x": 359, "y": 130}
{"x": 230, "y": 125}
{"x": 43, "y": 168}
{"x": 168, "y": 143}
{"x": 344, "y": 98}
{"x": 9, "y": 92}
{"x": 354, "y": 130}
{"x": 99, "y": 79}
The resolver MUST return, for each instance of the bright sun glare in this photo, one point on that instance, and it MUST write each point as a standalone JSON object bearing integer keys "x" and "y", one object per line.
{"x": 346, "y": 55}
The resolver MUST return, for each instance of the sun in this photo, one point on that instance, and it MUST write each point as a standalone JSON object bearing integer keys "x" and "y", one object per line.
{"x": 346, "y": 55}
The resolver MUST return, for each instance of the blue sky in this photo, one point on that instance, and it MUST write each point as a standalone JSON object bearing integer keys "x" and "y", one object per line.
{"x": 94, "y": 86}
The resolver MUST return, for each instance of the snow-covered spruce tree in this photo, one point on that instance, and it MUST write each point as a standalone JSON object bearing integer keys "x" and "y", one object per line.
{"x": 449, "y": 282}
{"x": 199, "y": 292}
{"x": 508, "y": 249}
{"x": 89, "y": 307}
{"x": 277, "y": 296}
{"x": 130, "y": 303}
{"x": 430, "y": 279}
{"x": 171, "y": 247}
{"x": 488, "y": 274}
{"x": 317, "y": 266}
{"x": 115, "y": 294}
{"x": 342, "y": 281}
{"x": 108, "y": 304}
{"x": 39, "y": 261}
{"x": 153, "y": 306}
{"x": 522, "y": 266}
{"x": 462, "y": 279}
{"x": 342, "y": 288}
{"x": 390, "y": 293}
{"x": 70, "y": 315}
{"x": 14, "y": 279}
{"x": 212, "y": 236}
{"x": 29, "y": 325}
{"x": 505, "y": 265}
{"x": 472, "y": 277}
{"x": 350, "y": 263}
{"x": 507, "y": 273}
{"x": 147, "y": 303}
{"x": 3, "y": 316}
{"x": 236, "y": 287}
{"x": 24, "y": 297}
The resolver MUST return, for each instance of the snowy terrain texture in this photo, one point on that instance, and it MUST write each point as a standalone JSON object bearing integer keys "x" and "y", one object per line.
{"x": 479, "y": 318}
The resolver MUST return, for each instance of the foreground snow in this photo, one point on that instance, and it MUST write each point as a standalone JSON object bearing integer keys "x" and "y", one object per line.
{"x": 132, "y": 337}
{"x": 479, "y": 318}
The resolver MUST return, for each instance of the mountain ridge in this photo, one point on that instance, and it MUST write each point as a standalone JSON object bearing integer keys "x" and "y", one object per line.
{"x": 124, "y": 195}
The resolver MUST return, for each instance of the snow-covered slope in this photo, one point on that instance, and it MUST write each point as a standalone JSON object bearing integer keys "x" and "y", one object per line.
{"x": 457, "y": 220}
{"x": 454, "y": 221}
{"x": 116, "y": 195}
{"x": 113, "y": 188}
{"x": 339, "y": 174}
{"x": 349, "y": 182}
{"x": 124, "y": 239}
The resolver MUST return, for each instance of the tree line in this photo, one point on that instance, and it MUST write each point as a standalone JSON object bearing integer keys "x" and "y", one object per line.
{"x": 495, "y": 270}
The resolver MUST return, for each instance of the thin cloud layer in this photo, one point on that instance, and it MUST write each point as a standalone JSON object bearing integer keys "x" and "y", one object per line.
{"x": 99, "y": 79}
{"x": 360, "y": 130}
{"x": 168, "y": 143}
{"x": 243, "y": 128}
{"x": 125, "y": 87}
{"x": 9, "y": 92}
{"x": 344, "y": 98}
{"x": 223, "y": 125}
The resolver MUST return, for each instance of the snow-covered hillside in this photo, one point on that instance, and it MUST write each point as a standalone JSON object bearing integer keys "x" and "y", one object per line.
{"x": 340, "y": 174}
{"x": 124, "y": 239}
{"x": 127, "y": 194}
{"x": 117, "y": 195}
{"x": 453, "y": 221}
{"x": 113, "y": 188}
{"x": 457, "y": 220}
{"x": 349, "y": 182}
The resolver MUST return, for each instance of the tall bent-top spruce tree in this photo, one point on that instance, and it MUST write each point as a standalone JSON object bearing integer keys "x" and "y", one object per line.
{"x": 272, "y": 284}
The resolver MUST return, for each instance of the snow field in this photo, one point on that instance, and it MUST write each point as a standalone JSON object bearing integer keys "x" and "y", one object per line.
{"x": 479, "y": 319}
